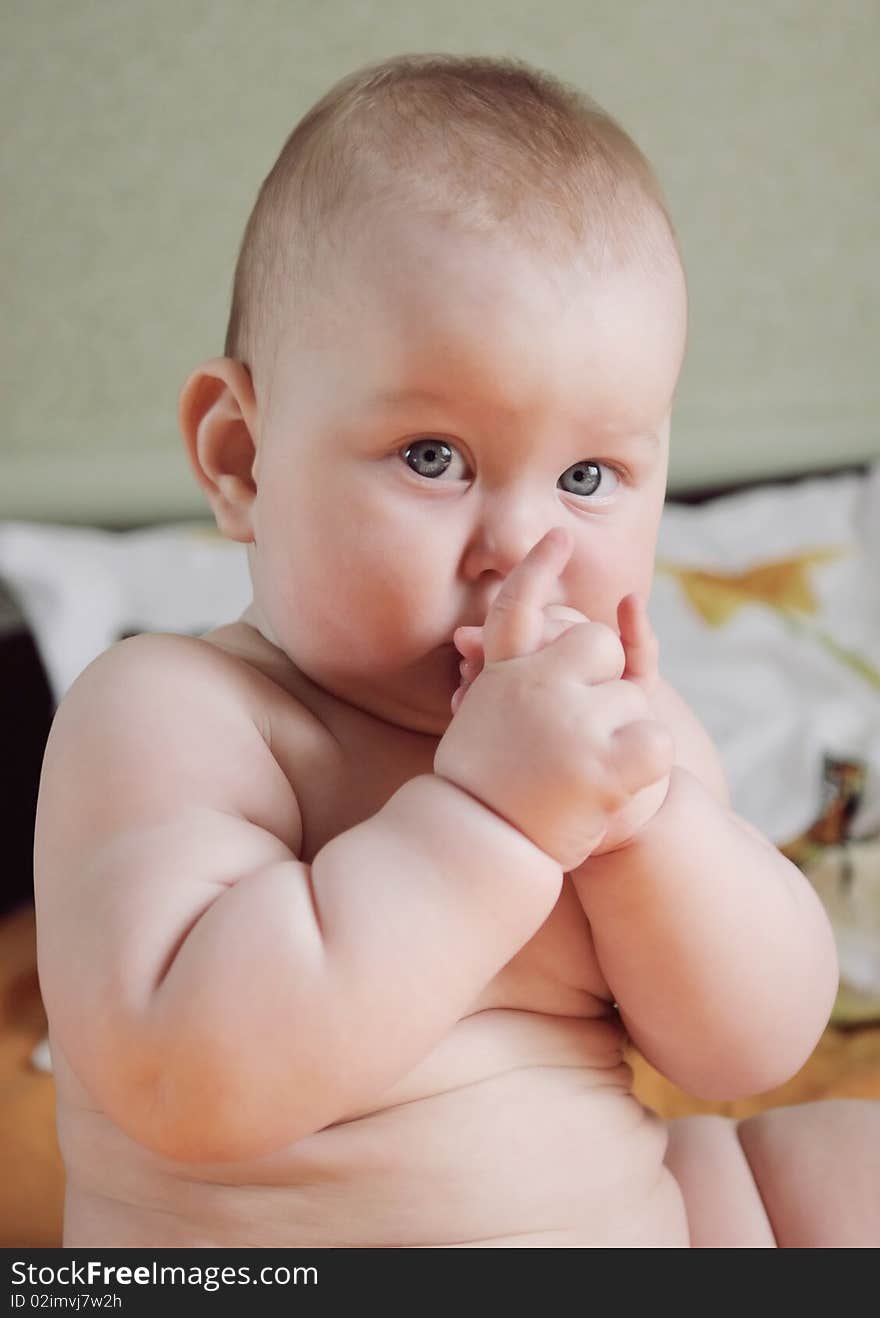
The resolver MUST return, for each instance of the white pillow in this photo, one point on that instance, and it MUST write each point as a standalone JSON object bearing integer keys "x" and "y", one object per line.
{"x": 783, "y": 679}
{"x": 80, "y": 588}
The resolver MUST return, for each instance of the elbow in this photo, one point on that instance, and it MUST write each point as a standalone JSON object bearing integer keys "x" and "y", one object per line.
{"x": 214, "y": 1129}
{"x": 758, "y": 1055}
{"x": 202, "y": 1110}
{"x": 724, "y": 1083}
{"x": 724, "y": 1079}
{"x": 769, "y": 1058}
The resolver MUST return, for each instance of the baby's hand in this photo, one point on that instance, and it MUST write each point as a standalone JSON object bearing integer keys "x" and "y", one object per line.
{"x": 641, "y": 650}
{"x": 554, "y": 739}
{"x": 642, "y": 667}
{"x": 636, "y": 635}
{"x": 469, "y": 643}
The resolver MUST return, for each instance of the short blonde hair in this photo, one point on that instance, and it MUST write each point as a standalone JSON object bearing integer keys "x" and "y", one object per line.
{"x": 483, "y": 143}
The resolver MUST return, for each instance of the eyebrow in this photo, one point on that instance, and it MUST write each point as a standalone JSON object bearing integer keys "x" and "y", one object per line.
{"x": 394, "y": 397}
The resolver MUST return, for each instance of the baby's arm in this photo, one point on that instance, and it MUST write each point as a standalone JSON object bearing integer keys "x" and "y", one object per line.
{"x": 217, "y": 996}
{"x": 717, "y": 949}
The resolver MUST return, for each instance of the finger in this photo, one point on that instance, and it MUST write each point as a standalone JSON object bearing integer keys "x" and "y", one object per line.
{"x": 638, "y": 640}
{"x": 515, "y": 622}
{"x": 558, "y": 618}
{"x": 588, "y": 652}
{"x": 642, "y": 752}
{"x": 468, "y": 641}
{"x": 470, "y": 669}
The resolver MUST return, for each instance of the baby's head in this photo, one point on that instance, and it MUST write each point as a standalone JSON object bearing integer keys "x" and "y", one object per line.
{"x": 458, "y": 320}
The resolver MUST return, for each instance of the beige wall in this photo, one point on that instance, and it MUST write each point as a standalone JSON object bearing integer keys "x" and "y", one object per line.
{"x": 136, "y": 136}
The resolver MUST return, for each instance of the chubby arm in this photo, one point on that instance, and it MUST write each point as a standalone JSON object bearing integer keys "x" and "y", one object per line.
{"x": 716, "y": 947}
{"x": 216, "y": 995}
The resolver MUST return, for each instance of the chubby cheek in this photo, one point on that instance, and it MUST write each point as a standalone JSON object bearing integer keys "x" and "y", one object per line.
{"x": 596, "y": 582}
{"x": 345, "y": 600}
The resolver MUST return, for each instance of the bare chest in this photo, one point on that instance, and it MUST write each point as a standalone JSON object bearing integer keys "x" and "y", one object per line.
{"x": 345, "y": 766}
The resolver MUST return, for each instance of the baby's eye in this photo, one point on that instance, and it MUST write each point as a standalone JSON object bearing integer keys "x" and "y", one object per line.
{"x": 428, "y": 457}
{"x": 587, "y": 477}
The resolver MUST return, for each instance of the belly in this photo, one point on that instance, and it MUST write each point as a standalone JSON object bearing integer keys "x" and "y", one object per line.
{"x": 519, "y": 1130}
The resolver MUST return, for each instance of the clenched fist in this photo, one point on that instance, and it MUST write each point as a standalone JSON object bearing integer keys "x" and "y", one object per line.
{"x": 552, "y": 725}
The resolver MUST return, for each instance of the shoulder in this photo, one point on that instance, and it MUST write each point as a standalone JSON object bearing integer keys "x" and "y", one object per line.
{"x": 694, "y": 748}
{"x": 168, "y": 674}
{"x": 160, "y": 718}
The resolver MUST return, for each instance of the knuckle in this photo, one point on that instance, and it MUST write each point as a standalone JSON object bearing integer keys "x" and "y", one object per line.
{"x": 562, "y": 613}
{"x": 661, "y": 746}
{"x": 628, "y": 702}
{"x": 607, "y": 647}
{"x": 596, "y": 642}
{"x": 506, "y": 601}
{"x": 611, "y": 790}
{"x": 655, "y": 749}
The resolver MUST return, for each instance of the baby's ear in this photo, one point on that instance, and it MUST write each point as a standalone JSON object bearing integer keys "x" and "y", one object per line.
{"x": 217, "y": 415}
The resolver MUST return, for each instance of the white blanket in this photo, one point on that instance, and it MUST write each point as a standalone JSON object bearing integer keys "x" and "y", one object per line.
{"x": 777, "y": 645}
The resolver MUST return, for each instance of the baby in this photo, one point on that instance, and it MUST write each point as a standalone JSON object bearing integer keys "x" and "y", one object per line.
{"x": 348, "y": 909}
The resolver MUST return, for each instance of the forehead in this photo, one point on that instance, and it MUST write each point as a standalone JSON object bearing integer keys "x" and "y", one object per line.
{"x": 424, "y": 307}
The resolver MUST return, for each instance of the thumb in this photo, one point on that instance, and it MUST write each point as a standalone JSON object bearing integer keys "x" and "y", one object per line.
{"x": 515, "y": 624}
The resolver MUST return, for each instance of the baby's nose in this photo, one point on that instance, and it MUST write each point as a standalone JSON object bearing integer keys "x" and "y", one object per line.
{"x": 506, "y": 533}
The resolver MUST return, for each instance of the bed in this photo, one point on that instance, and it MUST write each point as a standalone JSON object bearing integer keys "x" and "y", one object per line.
{"x": 767, "y": 607}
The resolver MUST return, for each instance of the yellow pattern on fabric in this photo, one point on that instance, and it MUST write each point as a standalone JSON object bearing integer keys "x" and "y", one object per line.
{"x": 783, "y": 584}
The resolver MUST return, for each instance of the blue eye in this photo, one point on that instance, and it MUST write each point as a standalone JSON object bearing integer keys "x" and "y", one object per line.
{"x": 428, "y": 457}
{"x": 585, "y": 478}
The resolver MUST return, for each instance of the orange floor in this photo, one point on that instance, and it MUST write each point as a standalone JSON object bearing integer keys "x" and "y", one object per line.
{"x": 846, "y": 1064}
{"x": 31, "y": 1174}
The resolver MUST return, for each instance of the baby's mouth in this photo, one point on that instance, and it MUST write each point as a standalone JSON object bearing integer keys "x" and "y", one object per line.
{"x": 469, "y": 670}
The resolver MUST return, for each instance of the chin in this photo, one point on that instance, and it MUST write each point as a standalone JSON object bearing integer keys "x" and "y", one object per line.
{"x": 429, "y": 696}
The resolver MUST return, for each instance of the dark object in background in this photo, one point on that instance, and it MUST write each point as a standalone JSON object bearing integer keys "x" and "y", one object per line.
{"x": 27, "y": 708}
